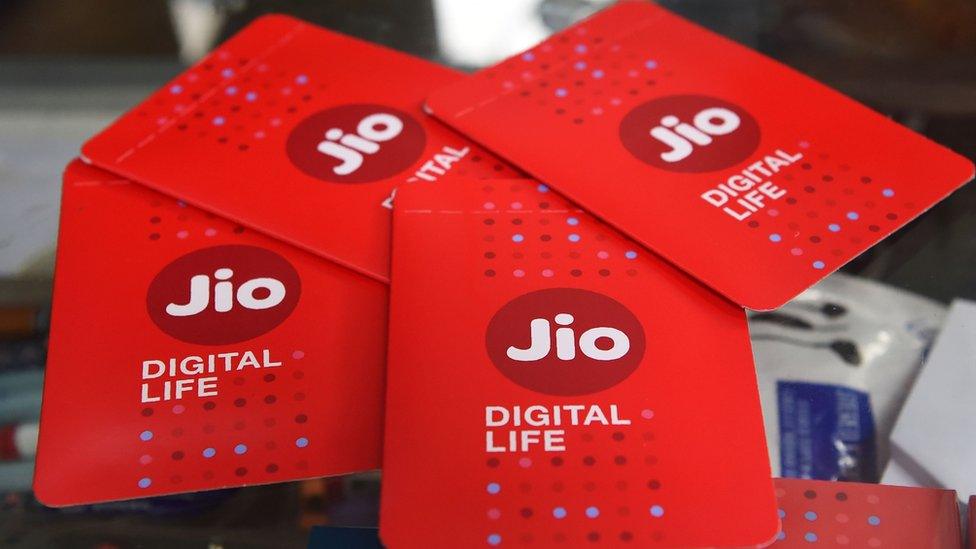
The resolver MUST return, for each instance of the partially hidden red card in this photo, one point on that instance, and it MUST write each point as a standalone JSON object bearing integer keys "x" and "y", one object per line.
{"x": 298, "y": 132}
{"x": 751, "y": 177}
{"x": 818, "y": 513}
{"x": 188, "y": 353}
{"x": 551, "y": 384}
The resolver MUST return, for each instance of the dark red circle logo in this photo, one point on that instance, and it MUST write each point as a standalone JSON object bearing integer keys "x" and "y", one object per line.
{"x": 223, "y": 294}
{"x": 356, "y": 143}
{"x": 689, "y": 133}
{"x": 565, "y": 341}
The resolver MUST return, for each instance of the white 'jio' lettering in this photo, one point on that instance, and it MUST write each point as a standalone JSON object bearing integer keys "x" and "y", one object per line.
{"x": 684, "y": 136}
{"x": 223, "y": 294}
{"x": 350, "y": 148}
{"x": 541, "y": 341}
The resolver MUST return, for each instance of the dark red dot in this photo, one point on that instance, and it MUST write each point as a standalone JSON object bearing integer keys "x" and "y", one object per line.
{"x": 620, "y": 460}
{"x": 589, "y": 460}
{"x": 516, "y": 221}
{"x": 270, "y": 399}
{"x": 841, "y": 496}
{"x": 240, "y": 402}
{"x": 626, "y": 536}
{"x": 209, "y": 405}
{"x": 560, "y": 111}
{"x": 269, "y": 377}
{"x": 271, "y": 468}
{"x": 865, "y": 179}
{"x": 577, "y": 121}
{"x": 810, "y": 494}
{"x": 827, "y": 178}
{"x": 753, "y": 224}
{"x": 892, "y": 216}
{"x": 815, "y": 239}
{"x": 604, "y": 272}
{"x": 222, "y": 139}
{"x": 238, "y": 230}
{"x": 618, "y": 436}
{"x": 489, "y": 221}
{"x": 177, "y": 455}
{"x": 576, "y": 272}
{"x": 557, "y": 461}
{"x": 492, "y": 462}
{"x": 544, "y": 205}
{"x": 874, "y": 228}
{"x": 239, "y": 380}
{"x": 654, "y": 484}
{"x": 593, "y": 536}
{"x": 490, "y": 272}
{"x": 240, "y": 471}
{"x": 526, "y": 512}
{"x": 809, "y": 189}
{"x": 545, "y": 238}
{"x": 806, "y": 166}
{"x": 301, "y": 418}
{"x": 147, "y": 412}
{"x": 791, "y": 201}
{"x": 490, "y": 255}
{"x": 154, "y": 236}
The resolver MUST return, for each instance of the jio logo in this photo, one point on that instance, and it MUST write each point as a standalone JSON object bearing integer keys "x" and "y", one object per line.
{"x": 223, "y": 294}
{"x": 689, "y": 133}
{"x": 565, "y": 341}
{"x": 356, "y": 143}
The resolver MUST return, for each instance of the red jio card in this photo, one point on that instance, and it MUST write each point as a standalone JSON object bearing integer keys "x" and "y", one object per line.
{"x": 298, "y": 132}
{"x": 188, "y": 353}
{"x": 847, "y": 514}
{"x": 568, "y": 388}
{"x": 751, "y": 177}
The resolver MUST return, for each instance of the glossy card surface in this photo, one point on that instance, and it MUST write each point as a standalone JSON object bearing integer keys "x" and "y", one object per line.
{"x": 188, "y": 353}
{"x": 551, "y": 384}
{"x": 818, "y": 513}
{"x": 298, "y": 132}
{"x": 749, "y": 176}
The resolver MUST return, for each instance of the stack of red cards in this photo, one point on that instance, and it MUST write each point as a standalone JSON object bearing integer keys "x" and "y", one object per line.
{"x": 221, "y": 307}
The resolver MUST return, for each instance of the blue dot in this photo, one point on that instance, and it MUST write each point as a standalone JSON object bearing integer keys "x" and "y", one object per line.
{"x": 251, "y": 96}
{"x": 810, "y": 536}
{"x": 494, "y": 488}
{"x": 818, "y": 264}
{"x": 650, "y": 64}
{"x": 887, "y": 193}
{"x": 227, "y": 73}
{"x": 145, "y": 482}
{"x": 528, "y": 56}
{"x": 542, "y": 188}
{"x": 853, "y": 216}
{"x": 579, "y": 65}
{"x": 517, "y": 238}
{"x": 559, "y": 513}
{"x": 597, "y": 74}
{"x": 231, "y": 90}
{"x": 209, "y": 452}
{"x": 301, "y": 79}
{"x": 592, "y": 512}
{"x": 657, "y": 511}
{"x": 561, "y": 92}
{"x": 810, "y": 515}
{"x": 574, "y": 237}
{"x": 240, "y": 449}
{"x": 781, "y": 535}
{"x": 580, "y": 48}
{"x": 873, "y": 520}
{"x": 630, "y": 254}
{"x": 301, "y": 442}
{"x": 833, "y": 227}
{"x": 494, "y": 539}
{"x": 218, "y": 121}
{"x": 782, "y": 513}
{"x": 145, "y": 435}
{"x": 775, "y": 237}
{"x": 573, "y": 221}
{"x": 175, "y": 89}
